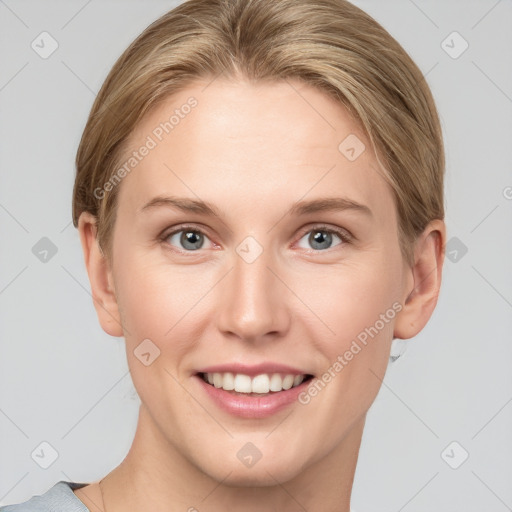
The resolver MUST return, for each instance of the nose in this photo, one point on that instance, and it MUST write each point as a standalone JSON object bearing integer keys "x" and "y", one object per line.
{"x": 253, "y": 301}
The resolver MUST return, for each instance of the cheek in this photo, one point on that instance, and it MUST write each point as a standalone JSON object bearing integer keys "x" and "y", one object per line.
{"x": 353, "y": 298}
{"x": 359, "y": 309}
{"x": 363, "y": 317}
{"x": 156, "y": 301}
{"x": 154, "y": 296}
{"x": 162, "y": 303}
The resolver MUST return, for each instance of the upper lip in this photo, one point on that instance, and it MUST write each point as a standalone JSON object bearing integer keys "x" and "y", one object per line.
{"x": 253, "y": 370}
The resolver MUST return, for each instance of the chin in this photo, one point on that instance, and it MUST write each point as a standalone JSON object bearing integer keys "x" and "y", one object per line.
{"x": 276, "y": 467}
{"x": 261, "y": 475}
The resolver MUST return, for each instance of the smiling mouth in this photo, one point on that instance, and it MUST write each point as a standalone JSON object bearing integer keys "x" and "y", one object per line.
{"x": 259, "y": 385}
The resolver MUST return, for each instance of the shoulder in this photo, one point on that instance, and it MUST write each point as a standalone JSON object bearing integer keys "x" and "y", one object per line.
{"x": 59, "y": 498}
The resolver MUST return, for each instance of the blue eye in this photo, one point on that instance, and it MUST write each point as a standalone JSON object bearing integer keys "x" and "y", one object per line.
{"x": 321, "y": 238}
{"x": 187, "y": 238}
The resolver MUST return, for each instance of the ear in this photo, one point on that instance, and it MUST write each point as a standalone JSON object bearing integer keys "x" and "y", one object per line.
{"x": 100, "y": 276}
{"x": 423, "y": 281}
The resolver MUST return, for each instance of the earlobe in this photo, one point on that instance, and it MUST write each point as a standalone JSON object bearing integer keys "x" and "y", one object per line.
{"x": 421, "y": 294}
{"x": 100, "y": 277}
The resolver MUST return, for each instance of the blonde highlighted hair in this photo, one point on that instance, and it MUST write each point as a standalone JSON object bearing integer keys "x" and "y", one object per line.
{"x": 329, "y": 44}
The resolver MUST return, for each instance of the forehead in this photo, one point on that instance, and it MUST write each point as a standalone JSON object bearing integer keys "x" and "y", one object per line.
{"x": 251, "y": 145}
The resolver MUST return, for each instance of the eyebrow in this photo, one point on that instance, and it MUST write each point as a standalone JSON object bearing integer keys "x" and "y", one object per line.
{"x": 299, "y": 208}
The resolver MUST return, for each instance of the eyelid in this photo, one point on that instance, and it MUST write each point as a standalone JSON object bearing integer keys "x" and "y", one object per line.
{"x": 183, "y": 227}
{"x": 167, "y": 232}
{"x": 345, "y": 235}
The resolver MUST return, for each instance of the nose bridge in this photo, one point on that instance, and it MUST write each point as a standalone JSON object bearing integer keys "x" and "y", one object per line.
{"x": 252, "y": 303}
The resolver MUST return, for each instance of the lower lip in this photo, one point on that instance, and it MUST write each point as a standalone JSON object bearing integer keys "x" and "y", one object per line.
{"x": 252, "y": 406}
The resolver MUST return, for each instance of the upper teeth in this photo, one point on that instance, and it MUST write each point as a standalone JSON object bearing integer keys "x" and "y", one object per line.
{"x": 262, "y": 383}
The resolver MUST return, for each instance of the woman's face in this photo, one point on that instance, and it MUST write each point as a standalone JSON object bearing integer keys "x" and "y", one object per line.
{"x": 299, "y": 264}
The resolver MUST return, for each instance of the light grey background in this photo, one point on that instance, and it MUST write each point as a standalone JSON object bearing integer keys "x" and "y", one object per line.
{"x": 65, "y": 382}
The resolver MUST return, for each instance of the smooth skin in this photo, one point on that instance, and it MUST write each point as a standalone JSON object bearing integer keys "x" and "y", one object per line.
{"x": 252, "y": 150}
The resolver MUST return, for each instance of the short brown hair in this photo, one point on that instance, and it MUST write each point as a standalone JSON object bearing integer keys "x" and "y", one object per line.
{"x": 329, "y": 44}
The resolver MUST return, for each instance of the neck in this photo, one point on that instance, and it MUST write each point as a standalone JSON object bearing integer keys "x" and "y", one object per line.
{"x": 156, "y": 476}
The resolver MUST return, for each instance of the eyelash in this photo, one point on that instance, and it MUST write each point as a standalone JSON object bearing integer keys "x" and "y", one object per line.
{"x": 345, "y": 237}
